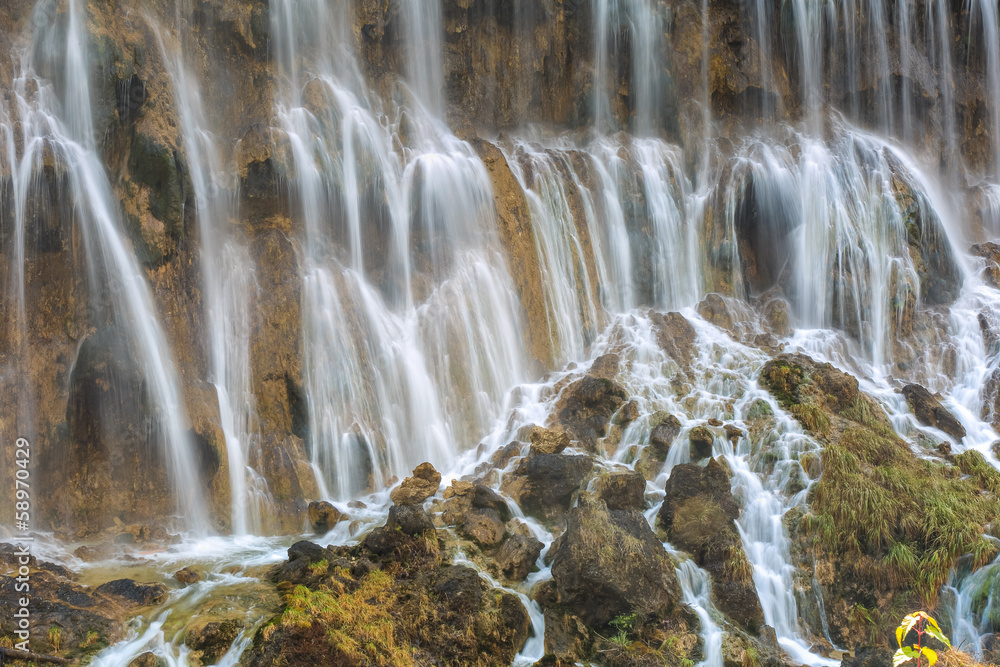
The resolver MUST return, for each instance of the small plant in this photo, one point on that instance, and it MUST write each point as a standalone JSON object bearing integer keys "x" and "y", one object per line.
{"x": 55, "y": 636}
{"x": 924, "y": 624}
{"x": 90, "y": 640}
{"x": 622, "y": 623}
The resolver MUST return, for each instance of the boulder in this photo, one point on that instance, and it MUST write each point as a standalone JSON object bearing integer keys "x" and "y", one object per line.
{"x": 486, "y": 498}
{"x": 547, "y": 441}
{"x": 929, "y": 411}
{"x": 609, "y": 562}
{"x": 664, "y": 430}
{"x": 148, "y": 659}
{"x": 585, "y": 407}
{"x": 309, "y": 551}
{"x": 213, "y": 639}
{"x": 675, "y": 336}
{"x": 187, "y": 575}
{"x": 134, "y": 593}
{"x": 605, "y": 366}
{"x": 698, "y": 515}
{"x": 416, "y": 489}
{"x": 701, "y": 439}
{"x": 622, "y": 490}
{"x": 517, "y": 555}
{"x": 543, "y": 485}
{"x": 410, "y": 519}
{"x": 323, "y": 516}
{"x": 483, "y": 526}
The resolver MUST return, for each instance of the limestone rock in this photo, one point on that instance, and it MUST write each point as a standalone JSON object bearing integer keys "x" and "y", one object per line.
{"x": 609, "y": 563}
{"x": 486, "y": 498}
{"x": 420, "y": 487}
{"x": 517, "y": 555}
{"x": 134, "y": 593}
{"x": 698, "y": 515}
{"x": 928, "y": 410}
{"x": 622, "y": 490}
{"x": 213, "y": 639}
{"x": 585, "y": 407}
{"x": 187, "y": 575}
{"x": 484, "y": 526}
{"x": 323, "y": 516}
{"x": 701, "y": 439}
{"x": 544, "y": 485}
{"x": 547, "y": 441}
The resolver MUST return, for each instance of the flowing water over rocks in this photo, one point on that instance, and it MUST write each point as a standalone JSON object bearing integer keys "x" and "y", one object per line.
{"x": 620, "y": 332}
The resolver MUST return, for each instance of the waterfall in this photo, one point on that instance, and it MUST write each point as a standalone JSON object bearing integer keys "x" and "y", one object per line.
{"x": 408, "y": 309}
{"x": 230, "y": 282}
{"x": 60, "y": 120}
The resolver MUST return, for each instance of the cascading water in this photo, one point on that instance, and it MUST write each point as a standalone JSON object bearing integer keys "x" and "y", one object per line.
{"x": 396, "y": 328}
{"x": 61, "y": 122}
{"x": 848, "y": 201}
{"x": 229, "y": 285}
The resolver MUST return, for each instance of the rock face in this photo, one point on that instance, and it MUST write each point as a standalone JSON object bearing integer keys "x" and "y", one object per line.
{"x": 608, "y": 562}
{"x": 929, "y": 411}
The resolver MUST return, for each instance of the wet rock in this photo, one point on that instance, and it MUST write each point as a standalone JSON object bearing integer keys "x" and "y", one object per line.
{"x": 567, "y": 639}
{"x": 484, "y": 526}
{"x": 698, "y": 515}
{"x": 213, "y": 639}
{"x": 701, "y": 439}
{"x": 733, "y": 433}
{"x": 995, "y": 448}
{"x": 775, "y": 316}
{"x": 627, "y": 414}
{"x": 622, "y": 490}
{"x": 663, "y": 435}
{"x": 543, "y": 485}
{"x": 868, "y": 656}
{"x": 148, "y": 659}
{"x": 547, "y": 441}
{"x": 420, "y": 487}
{"x": 133, "y": 592}
{"x": 585, "y": 407}
{"x": 461, "y": 586}
{"x": 410, "y": 519}
{"x": 605, "y": 366}
{"x": 929, "y": 411}
{"x": 306, "y": 550}
{"x": 713, "y": 309}
{"x": 323, "y": 516}
{"x": 90, "y": 554}
{"x": 675, "y": 336}
{"x": 609, "y": 563}
{"x": 187, "y": 575}
{"x": 458, "y": 488}
{"x": 990, "y": 252}
{"x": 517, "y": 555}
{"x": 486, "y": 498}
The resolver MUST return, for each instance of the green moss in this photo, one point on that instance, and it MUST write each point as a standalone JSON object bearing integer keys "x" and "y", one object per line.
{"x": 357, "y": 624}
{"x": 908, "y": 516}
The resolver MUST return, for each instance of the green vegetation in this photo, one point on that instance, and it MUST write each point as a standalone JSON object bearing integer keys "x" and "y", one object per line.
{"x": 357, "y": 624}
{"x": 55, "y": 637}
{"x": 623, "y": 623}
{"x": 899, "y": 521}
